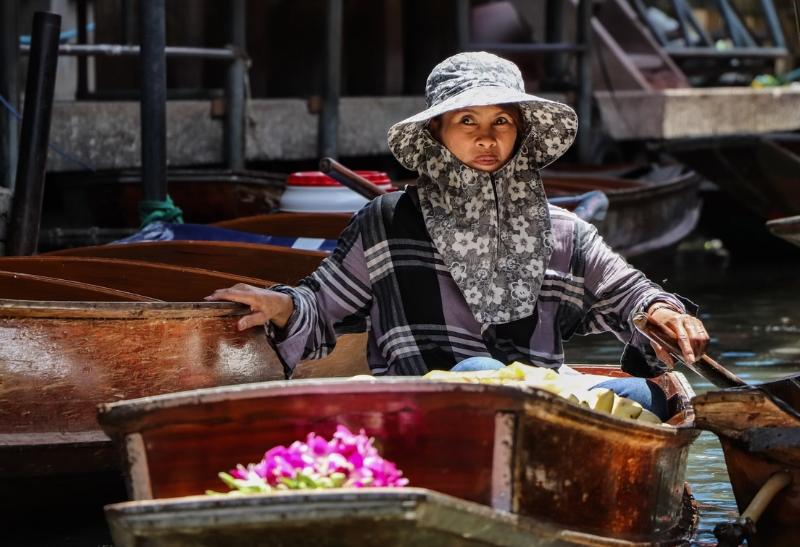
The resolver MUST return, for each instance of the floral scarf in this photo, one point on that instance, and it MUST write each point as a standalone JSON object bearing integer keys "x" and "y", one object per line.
{"x": 492, "y": 229}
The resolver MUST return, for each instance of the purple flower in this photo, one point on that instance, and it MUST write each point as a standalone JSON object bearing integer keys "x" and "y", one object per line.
{"x": 347, "y": 460}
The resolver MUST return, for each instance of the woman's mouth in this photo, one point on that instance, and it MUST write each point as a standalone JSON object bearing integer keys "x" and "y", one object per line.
{"x": 486, "y": 159}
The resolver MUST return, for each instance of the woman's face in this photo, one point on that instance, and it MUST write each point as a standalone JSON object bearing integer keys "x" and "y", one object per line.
{"x": 482, "y": 137}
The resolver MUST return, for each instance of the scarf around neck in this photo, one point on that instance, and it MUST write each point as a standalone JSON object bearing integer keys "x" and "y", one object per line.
{"x": 492, "y": 229}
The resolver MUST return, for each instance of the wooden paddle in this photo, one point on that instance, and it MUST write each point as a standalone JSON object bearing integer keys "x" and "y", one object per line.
{"x": 705, "y": 366}
{"x": 351, "y": 179}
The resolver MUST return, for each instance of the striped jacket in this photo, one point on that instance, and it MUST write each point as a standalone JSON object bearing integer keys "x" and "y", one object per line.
{"x": 385, "y": 276}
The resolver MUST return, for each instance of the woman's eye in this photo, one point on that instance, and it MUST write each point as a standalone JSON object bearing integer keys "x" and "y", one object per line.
{"x": 466, "y": 120}
{"x": 501, "y": 121}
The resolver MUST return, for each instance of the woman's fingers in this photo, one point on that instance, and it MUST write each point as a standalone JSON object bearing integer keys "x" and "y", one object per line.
{"x": 238, "y": 293}
{"x": 684, "y": 343}
{"x": 252, "y": 320}
{"x": 662, "y": 354}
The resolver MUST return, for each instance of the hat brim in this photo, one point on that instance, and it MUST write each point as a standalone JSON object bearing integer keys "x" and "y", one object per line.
{"x": 479, "y": 96}
{"x": 560, "y": 120}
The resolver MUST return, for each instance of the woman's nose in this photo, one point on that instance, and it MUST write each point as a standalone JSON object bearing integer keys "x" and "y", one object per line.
{"x": 486, "y": 140}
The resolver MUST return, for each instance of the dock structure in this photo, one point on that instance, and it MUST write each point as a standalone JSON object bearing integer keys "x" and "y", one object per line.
{"x": 262, "y": 94}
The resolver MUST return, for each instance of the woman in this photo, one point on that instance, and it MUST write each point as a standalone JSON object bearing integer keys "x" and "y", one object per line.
{"x": 473, "y": 263}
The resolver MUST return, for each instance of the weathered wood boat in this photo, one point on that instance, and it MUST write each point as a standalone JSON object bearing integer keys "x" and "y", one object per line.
{"x": 26, "y": 286}
{"x": 759, "y": 429}
{"x": 787, "y": 228}
{"x": 321, "y": 225}
{"x": 246, "y": 259}
{"x": 644, "y": 214}
{"x": 508, "y": 448}
{"x": 110, "y": 199}
{"x": 158, "y": 281}
{"x": 374, "y": 517}
{"x": 60, "y": 359}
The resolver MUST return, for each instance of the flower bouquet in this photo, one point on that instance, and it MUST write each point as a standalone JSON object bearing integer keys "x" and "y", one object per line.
{"x": 348, "y": 460}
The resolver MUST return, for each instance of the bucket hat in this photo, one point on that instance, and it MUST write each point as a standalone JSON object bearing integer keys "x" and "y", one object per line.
{"x": 481, "y": 79}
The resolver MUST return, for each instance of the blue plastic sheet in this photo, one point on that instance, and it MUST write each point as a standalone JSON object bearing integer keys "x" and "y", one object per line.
{"x": 167, "y": 231}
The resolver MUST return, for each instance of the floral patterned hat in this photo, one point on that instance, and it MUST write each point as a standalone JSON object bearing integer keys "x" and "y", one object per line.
{"x": 481, "y": 79}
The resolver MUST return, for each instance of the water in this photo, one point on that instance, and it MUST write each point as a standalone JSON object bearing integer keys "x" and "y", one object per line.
{"x": 752, "y": 314}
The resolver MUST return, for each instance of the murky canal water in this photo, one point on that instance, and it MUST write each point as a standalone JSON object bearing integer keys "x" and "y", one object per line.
{"x": 752, "y": 313}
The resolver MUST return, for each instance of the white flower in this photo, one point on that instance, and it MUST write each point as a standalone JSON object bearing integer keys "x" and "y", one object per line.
{"x": 472, "y": 209}
{"x": 482, "y": 245}
{"x": 522, "y": 162}
{"x": 459, "y": 271}
{"x": 497, "y": 295}
{"x": 464, "y": 242}
{"x": 535, "y": 267}
{"x": 522, "y": 243}
{"x": 518, "y": 224}
{"x": 517, "y": 190}
{"x": 520, "y": 290}
{"x": 472, "y": 295}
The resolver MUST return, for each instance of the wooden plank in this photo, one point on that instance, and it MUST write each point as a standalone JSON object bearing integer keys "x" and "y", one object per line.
{"x": 24, "y": 286}
{"x": 321, "y": 225}
{"x": 279, "y": 264}
{"x": 159, "y": 281}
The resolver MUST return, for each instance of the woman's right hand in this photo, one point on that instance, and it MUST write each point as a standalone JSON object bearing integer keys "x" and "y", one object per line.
{"x": 265, "y": 305}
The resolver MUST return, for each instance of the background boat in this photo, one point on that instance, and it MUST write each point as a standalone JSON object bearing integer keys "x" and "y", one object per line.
{"x": 758, "y": 428}
{"x": 787, "y": 228}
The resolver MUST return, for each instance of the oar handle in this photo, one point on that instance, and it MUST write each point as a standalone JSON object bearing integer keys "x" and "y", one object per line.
{"x": 349, "y": 178}
{"x": 705, "y": 366}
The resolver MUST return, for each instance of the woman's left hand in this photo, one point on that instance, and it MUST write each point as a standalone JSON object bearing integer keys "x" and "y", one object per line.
{"x": 688, "y": 330}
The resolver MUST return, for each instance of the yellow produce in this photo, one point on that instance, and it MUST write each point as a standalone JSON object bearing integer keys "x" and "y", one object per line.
{"x": 572, "y": 387}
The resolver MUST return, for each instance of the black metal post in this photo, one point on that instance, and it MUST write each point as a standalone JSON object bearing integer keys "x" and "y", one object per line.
{"x": 154, "y": 99}
{"x": 9, "y": 88}
{"x": 584, "y": 106}
{"x": 83, "y": 77}
{"x": 327, "y": 144}
{"x": 39, "y": 87}
{"x": 462, "y": 24}
{"x": 235, "y": 88}
{"x": 554, "y": 33}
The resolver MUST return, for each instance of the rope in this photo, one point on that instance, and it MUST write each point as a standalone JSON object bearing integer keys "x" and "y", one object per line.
{"x": 159, "y": 211}
{"x": 66, "y": 155}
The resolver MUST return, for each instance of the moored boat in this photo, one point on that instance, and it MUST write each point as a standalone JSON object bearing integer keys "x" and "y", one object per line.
{"x": 147, "y": 279}
{"x": 60, "y": 359}
{"x": 644, "y": 214}
{"x": 246, "y": 259}
{"x": 787, "y": 228}
{"x": 508, "y": 448}
{"x": 759, "y": 429}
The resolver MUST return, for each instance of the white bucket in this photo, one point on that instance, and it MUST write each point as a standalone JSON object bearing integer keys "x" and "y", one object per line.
{"x": 315, "y": 192}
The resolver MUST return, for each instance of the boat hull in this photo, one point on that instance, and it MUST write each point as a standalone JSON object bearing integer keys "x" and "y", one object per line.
{"x": 508, "y": 448}
{"x": 787, "y": 228}
{"x": 60, "y": 360}
{"x": 370, "y": 517}
{"x": 758, "y": 428}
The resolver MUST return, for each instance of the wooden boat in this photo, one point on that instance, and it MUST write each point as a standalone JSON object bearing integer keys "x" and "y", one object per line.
{"x": 320, "y": 225}
{"x": 153, "y": 280}
{"x": 759, "y": 429}
{"x": 60, "y": 359}
{"x": 284, "y": 265}
{"x": 374, "y": 517}
{"x": 644, "y": 214}
{"x": 110, "y": 198}
{"x": 787, "y": 228}
{"x": 508, "y": 448}
{"x": 26, "y": 286}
